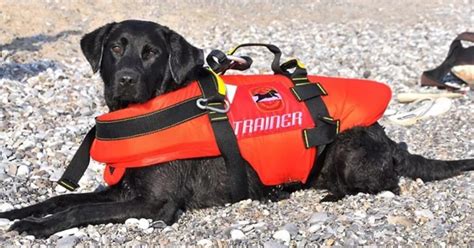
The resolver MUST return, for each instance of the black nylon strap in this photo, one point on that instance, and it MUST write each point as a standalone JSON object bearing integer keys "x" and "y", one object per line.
{"x": 227, "y": 143}
{"x": 305, "y": 91}
{"x": 218, "y": 61}
{"x": 272, "y": 48}
{"x": 146, "y": 124}
{"x": 326, "y": 128}
{"x": 323, "y": 134}
{"x": 78, "y": 164}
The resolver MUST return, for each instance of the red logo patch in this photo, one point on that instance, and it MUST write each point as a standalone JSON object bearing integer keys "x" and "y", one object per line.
{"x": 267, "y": 98}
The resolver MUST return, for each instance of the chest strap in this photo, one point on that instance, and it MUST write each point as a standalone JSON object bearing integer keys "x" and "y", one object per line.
{"x": 212, "y": 91}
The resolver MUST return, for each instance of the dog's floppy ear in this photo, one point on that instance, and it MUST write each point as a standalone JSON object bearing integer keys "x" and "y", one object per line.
{"x": 92, "y": 45}
{"x": 183, "y": 59}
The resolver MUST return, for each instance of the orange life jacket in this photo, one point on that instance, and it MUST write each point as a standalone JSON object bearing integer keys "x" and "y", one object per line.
{"x": 266, "y": 117}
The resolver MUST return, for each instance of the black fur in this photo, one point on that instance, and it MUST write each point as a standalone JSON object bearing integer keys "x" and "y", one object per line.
{"x": 362, "y": 159}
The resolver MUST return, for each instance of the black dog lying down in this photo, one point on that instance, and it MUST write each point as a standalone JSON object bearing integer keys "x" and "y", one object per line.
{"x": 139, "y": 60}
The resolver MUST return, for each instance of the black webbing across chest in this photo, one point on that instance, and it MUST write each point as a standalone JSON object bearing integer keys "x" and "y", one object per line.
{"x": 163, "y": 119}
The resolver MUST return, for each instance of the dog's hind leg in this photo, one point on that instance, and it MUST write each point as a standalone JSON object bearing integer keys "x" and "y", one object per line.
{"x": 60, "y": 203}
{"x": 98, "y": 213}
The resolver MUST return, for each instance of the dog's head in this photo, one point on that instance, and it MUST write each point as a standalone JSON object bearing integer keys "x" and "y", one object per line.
{"x": 138, "y": 60}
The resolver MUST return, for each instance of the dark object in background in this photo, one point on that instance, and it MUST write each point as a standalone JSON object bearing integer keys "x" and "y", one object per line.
{"x": 447, "y": 74}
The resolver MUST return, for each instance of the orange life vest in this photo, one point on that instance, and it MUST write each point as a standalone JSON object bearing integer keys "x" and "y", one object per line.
{"x": 266, "y": 118}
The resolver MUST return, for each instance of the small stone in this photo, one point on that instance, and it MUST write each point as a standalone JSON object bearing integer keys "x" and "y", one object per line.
{"x": 283, "y": 235}
{"x": 236, "y": 234}
{"x": 11, "y": 170}
{"x": 167, "y": 229}
{"x": 366, "y": 74}
{"x": 318, "y": 217}
{"x": 56, "y": 174}
{"x": 329, "y": 242}
{"x": 67, "y": 232}
{"x": 273, "y": 244}
{"x": 30, "y": 237}
{"x": 132, "y": 222}
{"x": 69, "y": 241}
{"x": 424, "y": 214}
{"x": 159, "y": 224}
{"x": 80, "y": 234}
{"x": 135, "y": 243}
{"x": 291, "y": 228}
{"x": 23, "y": 170}
{"x": 7, "y": 153}
{"x": 360, "y": 214}
{"x": 59, "y": 189}
{"x": 386, "y": 194}
{"x": 260, "y": 225}
{"x": 5, "y": 207}
{"x": 4, "y": 222}
{"x": 143, "y": 224}
{"x": 314, "y": 228}
{"x": 400, "y": 220}
{"x": 205, "y": 243}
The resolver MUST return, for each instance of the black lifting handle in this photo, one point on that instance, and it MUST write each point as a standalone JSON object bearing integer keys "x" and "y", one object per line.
{"x": 272, "y": 48}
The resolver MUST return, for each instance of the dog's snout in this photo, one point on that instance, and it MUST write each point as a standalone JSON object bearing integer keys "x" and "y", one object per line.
{"x": 127, "y": 86}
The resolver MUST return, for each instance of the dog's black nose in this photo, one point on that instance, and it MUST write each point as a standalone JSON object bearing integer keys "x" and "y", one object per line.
{"x": 127, "y": 86}
{"x": 127, "y": 80}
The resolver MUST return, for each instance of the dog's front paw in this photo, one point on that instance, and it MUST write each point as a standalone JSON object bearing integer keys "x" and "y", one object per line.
{"x": 32, "y": 226}
{"x": 15, "y": 214}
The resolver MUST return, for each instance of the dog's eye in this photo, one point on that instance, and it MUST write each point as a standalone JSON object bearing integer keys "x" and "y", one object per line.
{"x": 149, "y": 53}
{"x": 117, "y": 50}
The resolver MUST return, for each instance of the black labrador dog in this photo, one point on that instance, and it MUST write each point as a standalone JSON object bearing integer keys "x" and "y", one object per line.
{"x": 139, "y": 60}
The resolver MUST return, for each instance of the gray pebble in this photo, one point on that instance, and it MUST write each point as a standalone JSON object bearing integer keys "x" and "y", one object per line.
{"x": 424, "y": 213}
{"x": 318, "y": 217}
{"x": 22, "y": 170}
{"x": 292, "y": 228}
{"x": 4, "y": 223}
{"x": 11, "y": 170}
{"x": 283, "y": 235}
{"x": 236, "y": 234}
{"x": 5, "y": 207}
{"x": 68, "y": 241}
{"x": 386, "y": 194}
{"x": 273, "y": 244}
{"x": 143, "y": 224}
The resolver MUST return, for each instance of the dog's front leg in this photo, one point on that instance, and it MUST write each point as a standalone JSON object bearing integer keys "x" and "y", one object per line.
{"x": 99, "y": 213}
{"x": 60, "y": 203}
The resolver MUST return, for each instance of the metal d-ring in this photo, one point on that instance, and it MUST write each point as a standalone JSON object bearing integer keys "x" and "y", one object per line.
{"x": 202, "y": 104}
